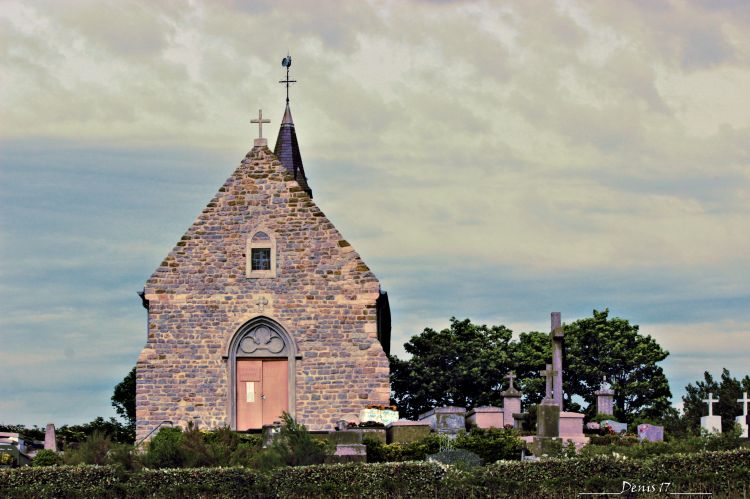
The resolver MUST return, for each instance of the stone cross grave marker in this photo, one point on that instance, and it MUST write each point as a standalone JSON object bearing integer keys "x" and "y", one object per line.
{"x": 743, "y": 420}
{"x": 744, "y": 401}
{"x": 557, "y": 335}
{"x": 549, "y": 374}
{"x": 710, "y": 401}
{"x": 511, "y": 376}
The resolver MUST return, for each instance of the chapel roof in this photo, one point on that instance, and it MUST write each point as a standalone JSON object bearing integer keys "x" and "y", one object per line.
{"x": 287, "y": 150}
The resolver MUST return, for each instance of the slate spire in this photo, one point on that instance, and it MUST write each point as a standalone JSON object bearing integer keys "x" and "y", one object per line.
{"x": 287, "y": 148}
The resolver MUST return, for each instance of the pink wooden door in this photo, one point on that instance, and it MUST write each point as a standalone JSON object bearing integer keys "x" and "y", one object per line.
{"x": 275, "y": 389}
{"x": 262, "y": 392}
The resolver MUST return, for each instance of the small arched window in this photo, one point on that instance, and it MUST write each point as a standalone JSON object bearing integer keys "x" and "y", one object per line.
{"x": 261, "y": 254}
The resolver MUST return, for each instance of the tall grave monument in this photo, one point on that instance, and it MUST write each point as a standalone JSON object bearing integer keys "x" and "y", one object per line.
{"x": 743, "y": 420}
{"x": 711, "y": 423}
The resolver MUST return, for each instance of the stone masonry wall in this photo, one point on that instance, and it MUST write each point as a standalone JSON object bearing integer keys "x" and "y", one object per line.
{"x": 323, "y": 295}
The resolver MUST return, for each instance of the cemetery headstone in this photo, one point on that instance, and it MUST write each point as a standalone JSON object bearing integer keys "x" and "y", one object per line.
{"x": 711, "y": 423}
{"x": 350, "y": 453}
{"x": 511, "y": 401}
{"x": 405, "y": 431}
{"x": 50, "y": 440}
{"x": 615, "y": 426}
{"x": 743, "y": 420}
{"x": 650, "y": 433}
{"x": 448, "y": 420}
{"x": 485, "y": 417}
{"x": 605, "y": 399}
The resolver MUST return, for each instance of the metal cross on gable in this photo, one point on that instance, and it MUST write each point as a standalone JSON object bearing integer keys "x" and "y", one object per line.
{"x": 710, "y": 401}
{"x": 744, "y": 401}
{"x": 260, "y": 122}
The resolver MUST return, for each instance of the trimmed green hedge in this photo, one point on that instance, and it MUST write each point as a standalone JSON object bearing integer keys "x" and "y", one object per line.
{"x": 725, "y": 474}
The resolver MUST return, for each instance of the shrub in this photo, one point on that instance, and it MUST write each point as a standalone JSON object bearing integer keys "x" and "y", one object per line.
{"x": 93, "y": 450}
{"x": 723, "y": 473}
{"x": 46, "y": 457}
{"x": 164, "y": 450}
{"x": 378, "y": 452}
{"x": 294, "y": 446}
{"x": 492, "y": 444}
{"x": 460, "y": 458}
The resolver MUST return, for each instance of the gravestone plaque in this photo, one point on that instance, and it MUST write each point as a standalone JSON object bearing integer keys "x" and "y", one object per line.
{"x": 448, "y": 420}
{"x": 711, "y": 423}
{"x": 650, "y": 433}
{"x": 616, "y": 426}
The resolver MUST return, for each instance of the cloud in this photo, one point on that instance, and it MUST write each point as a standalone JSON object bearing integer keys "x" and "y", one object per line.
{"x": 496, "y": 162}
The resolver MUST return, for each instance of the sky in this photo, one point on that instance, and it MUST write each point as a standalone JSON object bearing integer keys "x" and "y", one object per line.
{"x": 491, "y": 160}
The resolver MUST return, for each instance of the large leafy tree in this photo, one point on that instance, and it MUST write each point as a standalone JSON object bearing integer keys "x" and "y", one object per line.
{"x": 466, "y": 365}
{"x": 727, "y": 389}
{"x": 597, "y": 347}
{"x": 123, "y": 398}
{"x": 462, "y": 365}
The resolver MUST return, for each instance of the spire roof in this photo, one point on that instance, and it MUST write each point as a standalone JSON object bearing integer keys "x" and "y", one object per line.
{"x": 287, "y": 148}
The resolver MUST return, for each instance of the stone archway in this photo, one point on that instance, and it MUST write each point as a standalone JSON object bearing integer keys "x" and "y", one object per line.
{"x": 262, "y": 367}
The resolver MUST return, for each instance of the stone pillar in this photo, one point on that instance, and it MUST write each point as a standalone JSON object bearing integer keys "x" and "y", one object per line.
{"x": 556, "y": 335}
{"x": 50, "y": 439}
{"x": 605, "y": 400}
{"x": 548, "y": 419}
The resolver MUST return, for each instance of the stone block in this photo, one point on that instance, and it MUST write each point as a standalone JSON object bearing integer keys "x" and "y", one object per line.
{"x": 546, "y": 446}
{"x": 571, "y": 424}
{"x": 650, "y": 433}
{"x": 449, "y": 420}
{"x": 742, "y": 421}
{"x": 712, "y": 424}
{"x": 349, "y": 453}
{"x": 485, "y": 417}
{"x": 356, "y": 435}
{"x": 404, "y": 431}
{"x": 548, "y": 420}
{"x": 615, "y": 426}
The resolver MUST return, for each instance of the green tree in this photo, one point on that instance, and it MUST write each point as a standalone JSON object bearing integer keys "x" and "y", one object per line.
{"x": 728, "y": 390}
{"x": 465, "y": 365}
{"x": 123, "y": 398}
{"x": 461, "y": 365}
{"x": 597, "y": 347}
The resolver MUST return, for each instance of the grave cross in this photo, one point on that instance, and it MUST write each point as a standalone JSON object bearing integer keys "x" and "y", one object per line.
{"x": 549, "y": 373}
{"x": 510, "y": 377}
{"x": 260, "y": 122}
{"x": 744, "y": 401}
{"x": 711, "y": 401}
{"x": 262, "y": 302}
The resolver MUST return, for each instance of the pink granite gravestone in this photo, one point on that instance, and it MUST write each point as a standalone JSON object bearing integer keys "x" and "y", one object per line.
{"x": 485, "y": 417}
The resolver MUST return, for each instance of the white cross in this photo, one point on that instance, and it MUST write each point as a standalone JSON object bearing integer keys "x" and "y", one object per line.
{"x": 710, "y": 401}
{"x": 262, "y": 302}
{"x": 260, "y": 122}
{"x": 744, "y": 401}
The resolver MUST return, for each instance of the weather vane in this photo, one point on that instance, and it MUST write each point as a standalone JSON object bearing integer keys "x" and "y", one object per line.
{"x": 286, "y": 62}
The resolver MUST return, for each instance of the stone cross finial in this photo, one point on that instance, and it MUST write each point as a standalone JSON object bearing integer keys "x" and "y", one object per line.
{"x": 744, "y": 401}
{"x": 510, "y": 377}
{"x": 548, "y": 373}
{"x": 260, "y": 122}
{"x": 710, "y": 401}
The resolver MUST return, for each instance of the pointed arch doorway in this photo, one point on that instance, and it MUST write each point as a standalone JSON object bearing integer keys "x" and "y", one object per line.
{"x": 262, "y": 366}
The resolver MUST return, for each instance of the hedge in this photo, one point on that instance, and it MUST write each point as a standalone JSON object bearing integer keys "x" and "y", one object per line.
{"x": 724, "y": 473}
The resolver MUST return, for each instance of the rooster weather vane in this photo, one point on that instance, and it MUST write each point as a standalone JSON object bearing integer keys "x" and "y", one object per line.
{"x": 287, "y": 62}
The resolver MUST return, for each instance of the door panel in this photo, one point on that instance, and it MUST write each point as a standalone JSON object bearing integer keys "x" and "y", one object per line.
{"x": 275, "y": 390}
{"x": 262, "y": 392}
{"x": 249, "y": 387}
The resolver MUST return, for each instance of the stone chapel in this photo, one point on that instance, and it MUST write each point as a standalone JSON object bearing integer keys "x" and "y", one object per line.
{"x": 262, "y": 307}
